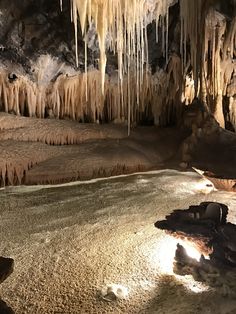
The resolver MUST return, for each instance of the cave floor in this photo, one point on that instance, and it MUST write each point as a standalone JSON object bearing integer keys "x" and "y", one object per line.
{"x": 70, "y": 241}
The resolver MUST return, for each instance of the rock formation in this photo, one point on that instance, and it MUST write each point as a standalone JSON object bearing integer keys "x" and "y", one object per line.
{"x": 219, "y": 181}
{"x": 6, "y": 268}
{"x": 205, "y": 226}
{"x": 39, "y": 55}
{"x": 165, "y": 63}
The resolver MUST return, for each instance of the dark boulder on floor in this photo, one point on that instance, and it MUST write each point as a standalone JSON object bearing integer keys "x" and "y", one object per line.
{"x": 6, "y": 267}
{"x": 5, "y": 309}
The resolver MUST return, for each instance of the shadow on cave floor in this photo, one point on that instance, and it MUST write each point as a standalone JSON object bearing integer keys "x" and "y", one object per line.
{"x": 173, "y": 294}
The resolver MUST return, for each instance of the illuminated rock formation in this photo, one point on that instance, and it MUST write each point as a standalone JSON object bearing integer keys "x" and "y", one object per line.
{"x": 212, "y": 43}
{"x": 199, "y": 53}
{"x": 130, "y": 63}
{"x": 204, "y": 226}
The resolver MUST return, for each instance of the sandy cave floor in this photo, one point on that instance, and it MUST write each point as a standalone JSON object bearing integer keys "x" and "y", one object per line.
{"x": 70, "y": 241}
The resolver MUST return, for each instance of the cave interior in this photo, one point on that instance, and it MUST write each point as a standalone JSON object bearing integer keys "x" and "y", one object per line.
{"x": 112, "y": 102}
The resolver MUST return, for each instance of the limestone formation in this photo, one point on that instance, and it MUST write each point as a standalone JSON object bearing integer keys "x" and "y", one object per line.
{"x": 138, "y": 83}
{"x": 206, "y": 228}
{"x": 165, "y": 63}
{"x": 221, "y": 278}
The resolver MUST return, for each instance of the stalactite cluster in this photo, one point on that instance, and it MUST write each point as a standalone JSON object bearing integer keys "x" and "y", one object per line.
{"x": 212, "y": 54}
{"x": 211, "y": 43}
{"x": 126, "y": 24}
{"x": 203, "y": 65}
{"x": 80, "y": 96}
{"x": 219, "y": 49}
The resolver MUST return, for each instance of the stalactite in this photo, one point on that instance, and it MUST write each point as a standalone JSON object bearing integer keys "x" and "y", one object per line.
{"x": 126, "y": 22}
{"x": 192, "y": 16}
{"x": 218, "y": 52}
{"x": 212, "y": 45}
{"x": 80, "y": 96}
{"x": 189, "y": 91}
{"x": 87, "y": 96}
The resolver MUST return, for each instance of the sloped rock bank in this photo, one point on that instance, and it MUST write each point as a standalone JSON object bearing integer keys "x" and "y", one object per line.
{"x": 35, "y": 151}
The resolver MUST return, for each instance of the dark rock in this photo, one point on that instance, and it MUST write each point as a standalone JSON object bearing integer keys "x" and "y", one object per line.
{"x": 12, "y": 77}
{"x": 205, "y": 225}
{"x": 6, "y": 267}
{"x": 5, "y": 309}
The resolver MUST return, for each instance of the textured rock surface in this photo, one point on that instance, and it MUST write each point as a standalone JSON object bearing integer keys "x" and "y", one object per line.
{"x": 208, "y": 146}
{"x": 30, "y": 28}
{"x": 206, "y": 227}
{"x": 204, "y": 270}
{"x": 37, "y": 151}
{"x": 53, "y": 151}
